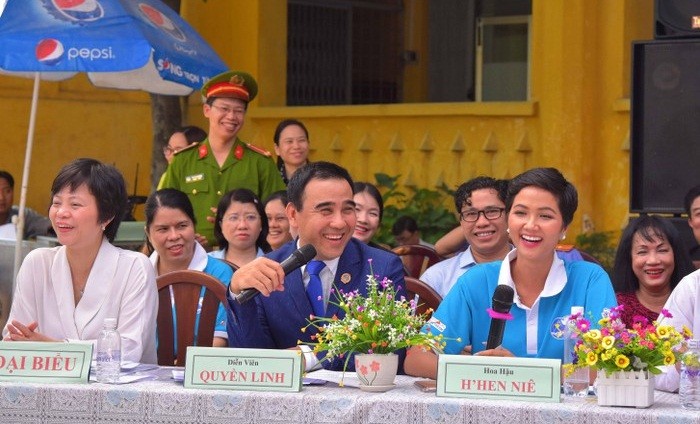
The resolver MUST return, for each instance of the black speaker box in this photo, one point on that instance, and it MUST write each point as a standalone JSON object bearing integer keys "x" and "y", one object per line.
{"x": 676, "y": 18}
{"x": 665, "y": 124}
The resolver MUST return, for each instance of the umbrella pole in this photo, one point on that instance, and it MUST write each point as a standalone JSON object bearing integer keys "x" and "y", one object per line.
{"x": 25, "y": 179}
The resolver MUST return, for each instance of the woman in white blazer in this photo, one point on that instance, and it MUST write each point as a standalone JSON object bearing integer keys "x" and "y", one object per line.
{"x": 65, "y": 293}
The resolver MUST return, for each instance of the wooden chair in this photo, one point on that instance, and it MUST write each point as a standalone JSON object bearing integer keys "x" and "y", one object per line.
{"x": 428, "y": 298}
{"x": 416, "y": 258}
{"x": 184, "y": 297}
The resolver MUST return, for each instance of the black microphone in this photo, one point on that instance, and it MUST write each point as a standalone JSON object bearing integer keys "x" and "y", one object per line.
{"x": 500, "y": 303}
{"x": 298, "y": 258}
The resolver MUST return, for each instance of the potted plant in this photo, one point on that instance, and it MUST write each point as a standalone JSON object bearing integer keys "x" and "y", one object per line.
{"x": 373, "y": 327}
{"x": 627, "y": 359}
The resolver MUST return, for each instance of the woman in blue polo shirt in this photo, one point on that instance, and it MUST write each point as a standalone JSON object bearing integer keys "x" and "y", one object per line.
{"x": 540, "y": 206}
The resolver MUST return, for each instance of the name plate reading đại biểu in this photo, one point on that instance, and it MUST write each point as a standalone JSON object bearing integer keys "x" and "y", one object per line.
{"x": 45, "y": 362}
{"x": 492, "y": 377}
{"x": 243, "y": 369}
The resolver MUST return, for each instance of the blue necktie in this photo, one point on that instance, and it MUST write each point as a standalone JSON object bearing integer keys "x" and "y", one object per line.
{"x": 314, "y": 290}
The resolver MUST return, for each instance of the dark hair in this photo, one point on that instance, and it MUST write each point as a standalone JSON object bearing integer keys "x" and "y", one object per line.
{"x": 278, "y": 132}
{"x": 371, "y": 189}
{"x": 104, "y": 182}
{"x": 692, "y": 194}
{"x": 193, "y": 134}
{"x": 404, "y": 223}
{"x": 168, "y": 198}
{"x": 551, "y": 180}
{"x": 648, "y": 227}
{"x": 314, "y": 171}
{"x": 464, "y": 191}
{"x": 242, "y": 195}
{"x": 7, "y": 176}
{"x": 278, "y": 195}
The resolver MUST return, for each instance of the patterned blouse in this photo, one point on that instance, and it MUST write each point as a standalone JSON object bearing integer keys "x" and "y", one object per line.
{"x": 633, "y": 308}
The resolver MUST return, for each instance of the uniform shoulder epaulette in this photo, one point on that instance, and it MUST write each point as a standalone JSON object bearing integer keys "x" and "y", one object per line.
{"x": 259, "y": 150}
{"x": 565, "y": 247}
{"x": 184, "y": 149}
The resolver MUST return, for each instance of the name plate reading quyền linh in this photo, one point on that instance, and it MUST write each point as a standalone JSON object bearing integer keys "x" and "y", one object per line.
{"x": 492, "y": 377}
{"x": 45, "y": 362}
{"x": 243, "y": 369}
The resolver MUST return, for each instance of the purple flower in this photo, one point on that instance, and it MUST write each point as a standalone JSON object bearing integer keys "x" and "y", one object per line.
{"x": 666, "y": 313}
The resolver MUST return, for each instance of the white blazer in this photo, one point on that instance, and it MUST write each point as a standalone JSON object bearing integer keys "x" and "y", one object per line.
{"x": 121, "y": 284}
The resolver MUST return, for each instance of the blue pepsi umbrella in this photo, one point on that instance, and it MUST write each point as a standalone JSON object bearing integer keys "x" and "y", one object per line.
{"x": 125, "y": 44}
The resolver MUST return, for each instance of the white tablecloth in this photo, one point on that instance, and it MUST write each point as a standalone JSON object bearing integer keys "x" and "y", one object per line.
{"x": 164, "y": 401}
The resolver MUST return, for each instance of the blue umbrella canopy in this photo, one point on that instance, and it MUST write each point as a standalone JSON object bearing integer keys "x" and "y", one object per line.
{"x": 125, "y": 44}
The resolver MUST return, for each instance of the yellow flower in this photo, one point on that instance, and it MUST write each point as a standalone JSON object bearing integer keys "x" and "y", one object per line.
{"x": 591, "y": 358}
{"x": 669, "y": 359}
{"x": 687, "y": 333}
{"x": 622, "y": 361}
{"x": 603, "y": 321}
{"x": 593, "y": 334}
{"x": 608, "y": 342}
{"x": 662, "y": 331}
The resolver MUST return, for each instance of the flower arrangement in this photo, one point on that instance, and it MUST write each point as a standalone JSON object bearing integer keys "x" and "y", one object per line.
{"x": 375, "y": 323}
{"x": 614, "y": 347}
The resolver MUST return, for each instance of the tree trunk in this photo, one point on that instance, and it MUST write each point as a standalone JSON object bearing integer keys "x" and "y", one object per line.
{"x": 166, "y": 116}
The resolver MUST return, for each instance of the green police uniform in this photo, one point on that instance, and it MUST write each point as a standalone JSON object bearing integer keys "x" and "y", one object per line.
{"x": 195, "y": 172}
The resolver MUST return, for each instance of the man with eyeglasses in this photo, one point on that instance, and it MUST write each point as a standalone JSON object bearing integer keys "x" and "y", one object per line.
{"x": 480, "y": 203}
{"x": 223, "y": 162}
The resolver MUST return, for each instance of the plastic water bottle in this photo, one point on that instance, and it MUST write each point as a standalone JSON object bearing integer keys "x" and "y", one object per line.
{"x": 689, "y": 391}
{"x": 575, "y": 384}
{"x": 109, "y": 352}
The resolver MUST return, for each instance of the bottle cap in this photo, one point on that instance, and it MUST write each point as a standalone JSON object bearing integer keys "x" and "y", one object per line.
{"x": 110, "y": 323}
{"x": 577, "y": 310}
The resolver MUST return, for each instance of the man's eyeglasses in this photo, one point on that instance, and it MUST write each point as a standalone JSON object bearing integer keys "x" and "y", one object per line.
{"x": 225, "y": 110}
{"x": 473, "y": 216}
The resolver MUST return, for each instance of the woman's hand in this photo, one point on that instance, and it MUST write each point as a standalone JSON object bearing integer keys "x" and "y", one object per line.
{"x": 26, "y": 333}
{"x": 499, "y": 351}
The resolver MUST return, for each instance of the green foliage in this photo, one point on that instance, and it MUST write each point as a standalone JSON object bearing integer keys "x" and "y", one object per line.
{"x": 600, "y": 246}
{"x": 426, "y": 206}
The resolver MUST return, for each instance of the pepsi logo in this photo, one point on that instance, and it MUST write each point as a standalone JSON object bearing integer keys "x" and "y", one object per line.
{"x": 75, "y": 10}
{"x": 49, "y": 51}
{"x": 157, "y": 19}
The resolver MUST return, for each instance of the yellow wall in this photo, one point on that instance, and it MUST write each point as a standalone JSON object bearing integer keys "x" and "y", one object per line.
{"x": 577, "y": 119}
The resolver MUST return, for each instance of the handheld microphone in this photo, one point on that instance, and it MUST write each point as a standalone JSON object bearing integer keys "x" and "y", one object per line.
{"x": 500, "y": 307}
{"x": 298, "y": 258}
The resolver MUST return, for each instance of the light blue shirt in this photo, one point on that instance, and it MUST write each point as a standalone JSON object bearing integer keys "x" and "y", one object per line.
{"x": 444, "y": 274}
{"x": 533, "y": 330}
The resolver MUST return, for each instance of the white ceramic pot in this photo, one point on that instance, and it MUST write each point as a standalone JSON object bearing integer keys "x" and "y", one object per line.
{"x": 376, "y": 371}
{"x": 625, "y": 388}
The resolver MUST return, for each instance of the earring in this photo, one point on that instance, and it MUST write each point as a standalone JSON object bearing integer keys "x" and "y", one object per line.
{"x": 563, "y": 236}
{"x": 508, "y": 230}
{"x": 103, "y": 228}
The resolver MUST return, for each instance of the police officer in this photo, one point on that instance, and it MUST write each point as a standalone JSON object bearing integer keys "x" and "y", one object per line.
{"x": 223, "y": 162}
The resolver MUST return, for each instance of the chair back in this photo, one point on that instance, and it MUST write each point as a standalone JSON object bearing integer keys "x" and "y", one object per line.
{"x": 416, "y": 258}
{"x": 427, "y": 297}
{"x": 188, "y": 305}
{"x": 589, "y": 258}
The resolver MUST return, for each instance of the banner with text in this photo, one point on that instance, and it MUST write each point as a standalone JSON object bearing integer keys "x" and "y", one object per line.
{"x": 243, "y": 369}
{"x": 492, "y": 377}
{"x": 45, "y": 362}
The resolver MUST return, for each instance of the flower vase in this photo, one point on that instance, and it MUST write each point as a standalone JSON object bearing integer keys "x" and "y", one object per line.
{"x": 625, "y": 388}
{"x": 376, "y": 371}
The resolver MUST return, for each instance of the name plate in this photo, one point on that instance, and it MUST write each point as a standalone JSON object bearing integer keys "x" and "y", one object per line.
{"x": 243, "y": 369}
{"x": 45, "y": 362}
{"x": 491, "y": 377}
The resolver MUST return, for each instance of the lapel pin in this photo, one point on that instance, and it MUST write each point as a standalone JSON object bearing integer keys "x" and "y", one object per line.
{"x": 345, "y": 278}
